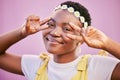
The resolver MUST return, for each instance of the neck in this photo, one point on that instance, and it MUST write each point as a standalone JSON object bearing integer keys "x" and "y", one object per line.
{"x": 64, "y": 58}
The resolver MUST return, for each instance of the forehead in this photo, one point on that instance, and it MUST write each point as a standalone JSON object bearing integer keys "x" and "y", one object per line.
{"x": 63, "y": 16}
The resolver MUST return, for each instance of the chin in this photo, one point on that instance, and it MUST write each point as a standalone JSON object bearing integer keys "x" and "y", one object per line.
{"x": 52, "y": 51}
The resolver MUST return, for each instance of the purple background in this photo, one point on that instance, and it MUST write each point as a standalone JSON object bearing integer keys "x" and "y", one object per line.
{"x": 105, "y": 16}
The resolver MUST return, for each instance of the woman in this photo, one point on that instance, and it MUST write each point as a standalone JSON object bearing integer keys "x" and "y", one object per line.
{"x": 66, "y": 30}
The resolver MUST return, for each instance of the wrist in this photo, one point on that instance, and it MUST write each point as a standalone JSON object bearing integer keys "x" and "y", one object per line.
{"x": 23, "y": 32}
{"x": 107, "y": 44}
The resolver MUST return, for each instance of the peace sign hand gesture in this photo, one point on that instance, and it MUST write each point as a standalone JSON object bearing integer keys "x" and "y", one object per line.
{"x": 91, "y": 36}
{"x": 94, "y": 38}
{"x": 33, "y": 25}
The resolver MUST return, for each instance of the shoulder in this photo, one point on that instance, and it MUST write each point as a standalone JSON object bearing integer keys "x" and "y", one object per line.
{"x": 103, "y": 59}
{"x": 102, "y": 66}
{"x": 30, "y": 64}
{"x": 30, "y": 58}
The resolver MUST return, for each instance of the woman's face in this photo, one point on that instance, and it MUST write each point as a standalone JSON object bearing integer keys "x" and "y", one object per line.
{"x": 55, "y": 39}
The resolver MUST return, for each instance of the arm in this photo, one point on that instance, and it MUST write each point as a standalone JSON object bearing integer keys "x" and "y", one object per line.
{"x": 8, "y": 39}
{"x": 10, "y": 62}
{"x": 113, "y": 47}
{"x": 116, "y": 73}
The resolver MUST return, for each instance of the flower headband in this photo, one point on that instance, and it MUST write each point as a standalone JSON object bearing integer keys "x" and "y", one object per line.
{"x": 76, "y": 13}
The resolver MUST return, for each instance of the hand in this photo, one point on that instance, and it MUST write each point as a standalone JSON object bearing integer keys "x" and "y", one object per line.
{"x": 91, "y": 36}
{"x": 94, "y": 38}
{"x": 33, "y": 25}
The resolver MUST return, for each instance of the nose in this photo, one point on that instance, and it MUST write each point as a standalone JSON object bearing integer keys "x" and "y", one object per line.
{"x": 56, "y": 32}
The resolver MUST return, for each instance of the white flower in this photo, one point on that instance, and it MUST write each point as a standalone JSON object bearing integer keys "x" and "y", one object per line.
{"x": 77, "y": 14}
{"x": 58, "y": 7}
{"x": 82, "y": 19}
{"x": 64, "y": 7}
{"x": 71, "y": 9}
{"x": 85, "y": 25}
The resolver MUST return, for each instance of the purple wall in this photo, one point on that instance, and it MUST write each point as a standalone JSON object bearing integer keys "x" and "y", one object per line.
{"x": 105, "y": 16}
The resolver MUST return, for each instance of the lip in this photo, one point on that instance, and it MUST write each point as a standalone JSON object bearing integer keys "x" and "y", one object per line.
{"x": 54, "y": 40}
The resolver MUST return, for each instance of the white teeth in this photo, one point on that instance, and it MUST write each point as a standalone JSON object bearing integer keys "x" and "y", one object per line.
{"x": 52, "y": 40}
{"x": 49, "y": 39}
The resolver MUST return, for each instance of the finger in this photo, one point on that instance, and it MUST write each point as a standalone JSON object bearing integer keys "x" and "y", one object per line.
{"x": 27, "y": 25}
{"x": 83, "y": 30}
{"x": 74, "y": 37}
{"x": 75, "y": 27}
{"x": 33, "y": 18}
{"x": 66, "y": 39}
{"x": 83, "y": 34}
{"x": 42, "y": 28}
{"x": 90, "y": 31}
{"x": 29, "y": 19}
{"x": 44, "y": 21}
{"x": 86, "y": 39}
{"x": 87, "y": 31}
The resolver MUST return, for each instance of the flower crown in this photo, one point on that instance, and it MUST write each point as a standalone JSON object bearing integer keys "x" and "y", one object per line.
{"x": 76, "y": 13}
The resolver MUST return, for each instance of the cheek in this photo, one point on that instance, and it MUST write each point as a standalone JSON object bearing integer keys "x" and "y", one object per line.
{"x": 65, "y": 38}
{"x": 68, "y": 40}
{"x": 80, "y": 37}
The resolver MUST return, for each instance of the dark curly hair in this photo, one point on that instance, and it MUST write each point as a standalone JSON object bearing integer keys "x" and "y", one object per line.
{"x": 78, "y": 7}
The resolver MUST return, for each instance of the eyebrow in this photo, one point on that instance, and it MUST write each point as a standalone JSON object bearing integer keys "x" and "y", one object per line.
{"x": 56, "y": 21}
{"x": 67, "y": 23}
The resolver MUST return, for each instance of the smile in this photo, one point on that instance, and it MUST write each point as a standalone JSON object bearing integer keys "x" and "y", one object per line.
{"x": 53, "y": 40}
